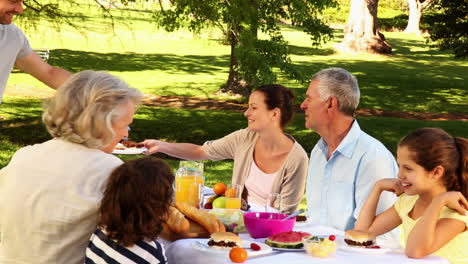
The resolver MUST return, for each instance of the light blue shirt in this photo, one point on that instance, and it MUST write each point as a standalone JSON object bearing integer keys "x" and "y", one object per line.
{"x": 337, "y": 188}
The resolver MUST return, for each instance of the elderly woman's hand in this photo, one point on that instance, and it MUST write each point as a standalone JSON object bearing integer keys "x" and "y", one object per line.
{"x": 152, "y": 145}
{"x": 453, "y": 200}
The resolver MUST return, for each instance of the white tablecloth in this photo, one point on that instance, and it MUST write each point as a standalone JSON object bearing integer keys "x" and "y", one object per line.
{"x": 182, "y": 252}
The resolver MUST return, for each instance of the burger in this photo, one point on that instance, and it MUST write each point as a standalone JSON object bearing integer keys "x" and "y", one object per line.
{"x": 359, "y": 238}
{"x": 224, "y": 240}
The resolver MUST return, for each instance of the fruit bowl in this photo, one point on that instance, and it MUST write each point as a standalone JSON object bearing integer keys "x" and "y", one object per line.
{"x": 319, "y": 246}
{"x": 260, "y": 225}
{"x": 231, "y": 218}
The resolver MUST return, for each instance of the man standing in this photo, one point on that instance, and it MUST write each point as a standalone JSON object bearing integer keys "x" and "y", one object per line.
{"x": 15, "y": 50}
{"x": 346, "y": 162}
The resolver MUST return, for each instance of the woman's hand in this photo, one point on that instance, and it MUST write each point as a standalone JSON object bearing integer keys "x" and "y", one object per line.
{"x": 454, "y": 200}
{"x": 390, "y": 185}
{"x": 152, "y": 145}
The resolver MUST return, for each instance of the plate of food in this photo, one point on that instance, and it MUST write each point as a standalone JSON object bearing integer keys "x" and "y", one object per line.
{"x": 361, "y": 242}
{"x": 223, "y": 242}
{"x": 287, "y": 241}
{"x": 127, "y": 147}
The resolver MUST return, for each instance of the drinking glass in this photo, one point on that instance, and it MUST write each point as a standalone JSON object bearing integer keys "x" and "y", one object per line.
{"x": 233, "y": 196}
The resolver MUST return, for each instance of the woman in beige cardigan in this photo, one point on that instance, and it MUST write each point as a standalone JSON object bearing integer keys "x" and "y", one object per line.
{"x": 266, "y": 160}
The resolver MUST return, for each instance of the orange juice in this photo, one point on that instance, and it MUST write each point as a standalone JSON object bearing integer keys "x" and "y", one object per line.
{"x": 187, "y": 189}
{"x": 233, "y": 203}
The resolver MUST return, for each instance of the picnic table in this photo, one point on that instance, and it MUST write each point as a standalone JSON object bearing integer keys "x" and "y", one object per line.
{"x": 186, "y": 251}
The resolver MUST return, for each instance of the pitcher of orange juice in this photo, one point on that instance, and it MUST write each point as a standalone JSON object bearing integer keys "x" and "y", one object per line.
{"x": 189, "y": 183}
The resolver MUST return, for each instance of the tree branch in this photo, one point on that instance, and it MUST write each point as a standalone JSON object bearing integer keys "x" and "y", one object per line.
{"x": 426, "y": 4}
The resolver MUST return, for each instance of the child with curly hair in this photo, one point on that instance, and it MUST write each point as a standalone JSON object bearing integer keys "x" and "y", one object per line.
{"x": 432, "y": 186}
{"x": 135, "y": 205}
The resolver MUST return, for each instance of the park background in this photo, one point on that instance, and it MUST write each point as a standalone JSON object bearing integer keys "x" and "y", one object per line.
{"x": 181, "y": 73}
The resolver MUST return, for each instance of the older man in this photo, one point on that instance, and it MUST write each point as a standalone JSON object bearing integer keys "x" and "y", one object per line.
{"x": 15, "y": 50}
{"x": 346, "y": 162}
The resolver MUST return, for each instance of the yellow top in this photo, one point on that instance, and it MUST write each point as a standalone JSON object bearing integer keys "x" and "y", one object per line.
{"x": 455, "y": 250}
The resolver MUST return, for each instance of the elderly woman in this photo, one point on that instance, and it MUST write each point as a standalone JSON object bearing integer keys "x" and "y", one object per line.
{"x": 266, "y": 160}
{"x": 50, "y": 192}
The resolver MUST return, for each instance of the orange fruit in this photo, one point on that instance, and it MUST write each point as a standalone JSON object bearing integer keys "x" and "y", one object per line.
{"x": 230, "y": 193}
{"x": 219, "y": 188}
{"x": 238, "y": 255}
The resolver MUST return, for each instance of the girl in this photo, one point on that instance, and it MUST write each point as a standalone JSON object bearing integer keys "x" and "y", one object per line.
{"x": 266, "y": 159}
{"x": 134, "y": 207}
{"x": 433, "y": 186}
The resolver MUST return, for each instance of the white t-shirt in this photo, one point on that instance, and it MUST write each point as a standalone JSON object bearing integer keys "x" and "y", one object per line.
{"x": 13, "y": 46}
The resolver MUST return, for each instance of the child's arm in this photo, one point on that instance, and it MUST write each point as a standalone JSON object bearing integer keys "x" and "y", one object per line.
{"x": 430, "y": 234}
{"x": 384, "y": 222}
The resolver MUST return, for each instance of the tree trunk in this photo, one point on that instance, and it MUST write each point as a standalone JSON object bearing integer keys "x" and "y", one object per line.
{"x": 416, "y": 7}
{"x": 361, "y": 34}
{"x": 235, "y": 84}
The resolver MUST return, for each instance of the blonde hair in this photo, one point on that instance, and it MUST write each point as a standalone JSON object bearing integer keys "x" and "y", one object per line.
{"x": 85, "y": 106}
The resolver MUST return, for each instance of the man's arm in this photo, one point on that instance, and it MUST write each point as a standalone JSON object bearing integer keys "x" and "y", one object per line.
{"x": 41, "y": 70}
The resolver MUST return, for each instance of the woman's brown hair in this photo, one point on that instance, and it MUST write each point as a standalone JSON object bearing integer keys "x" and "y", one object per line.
{"x": 432, "y": 147}
{"x": 278, "y": 96}
{"x": 136, "y": 200}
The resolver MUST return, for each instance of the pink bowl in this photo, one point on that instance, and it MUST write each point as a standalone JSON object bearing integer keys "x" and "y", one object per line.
{"x": 261, "y": 225}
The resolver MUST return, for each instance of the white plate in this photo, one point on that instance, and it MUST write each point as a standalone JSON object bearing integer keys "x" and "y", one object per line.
{"x": 202, "y": 245}
{"x": 361, "y": 250}
{"x": 129, "y": 151}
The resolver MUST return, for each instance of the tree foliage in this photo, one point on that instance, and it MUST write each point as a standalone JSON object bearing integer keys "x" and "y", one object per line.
{"x": 60, "y": 12}
{"x": 253, "y": 55}
{"x": 450, "y": 26}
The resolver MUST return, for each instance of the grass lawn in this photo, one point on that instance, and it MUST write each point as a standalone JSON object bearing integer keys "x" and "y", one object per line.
{"x": 22, "y": 126}
{"x": 415, "y": 78}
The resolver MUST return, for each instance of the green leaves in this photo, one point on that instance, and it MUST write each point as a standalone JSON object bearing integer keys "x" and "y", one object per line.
{"x": 450, "y": 27}
{"x": 253, "y": 58}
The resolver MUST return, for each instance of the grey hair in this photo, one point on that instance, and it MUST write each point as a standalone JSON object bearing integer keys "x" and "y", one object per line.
{"x": 341, "y": 84}
{"x": 85, "y": 107}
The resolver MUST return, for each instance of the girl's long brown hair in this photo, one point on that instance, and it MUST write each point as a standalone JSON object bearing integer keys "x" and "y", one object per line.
{"x": 432, "y": 147}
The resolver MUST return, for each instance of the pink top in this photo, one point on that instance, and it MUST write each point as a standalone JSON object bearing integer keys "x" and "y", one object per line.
{"x": 259, "y": 184}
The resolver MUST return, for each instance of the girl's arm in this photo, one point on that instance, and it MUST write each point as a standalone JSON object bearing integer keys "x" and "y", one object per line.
{"x": 384, "y": 222}
{"x": 430, "y": 234}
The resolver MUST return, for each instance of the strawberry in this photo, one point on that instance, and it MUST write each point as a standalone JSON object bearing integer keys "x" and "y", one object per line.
{"x": 254, "y": 247}
{"x": 208, "y": 206}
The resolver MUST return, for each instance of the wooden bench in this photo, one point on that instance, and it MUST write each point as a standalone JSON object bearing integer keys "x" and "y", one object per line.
{"x": 43, "y": 53}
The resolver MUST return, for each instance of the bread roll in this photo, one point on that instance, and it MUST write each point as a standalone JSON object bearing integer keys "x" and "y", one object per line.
{"x": 176, "y": 221}
{"x": 195, "y": 231}
{"x": 208, "y": 221}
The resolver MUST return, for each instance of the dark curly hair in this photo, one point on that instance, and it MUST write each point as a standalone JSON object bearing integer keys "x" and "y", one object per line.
{"x": 278, "y": 96}
{"x": 136, "y": 200}
{"x": 432, "y": 147}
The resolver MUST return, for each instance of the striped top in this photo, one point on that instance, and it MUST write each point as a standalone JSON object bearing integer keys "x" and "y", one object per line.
{"x": 102, "y": 249}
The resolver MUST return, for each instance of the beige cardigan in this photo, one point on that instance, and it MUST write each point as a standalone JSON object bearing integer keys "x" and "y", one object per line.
{"x": 240, "y": 145}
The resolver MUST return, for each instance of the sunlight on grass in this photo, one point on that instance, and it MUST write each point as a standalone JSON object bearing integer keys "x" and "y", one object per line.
{"x": 414, "y": 78}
